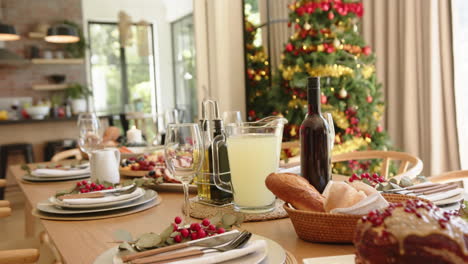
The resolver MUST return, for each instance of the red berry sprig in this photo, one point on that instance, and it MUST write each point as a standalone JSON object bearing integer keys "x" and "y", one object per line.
{"x": 89, "y": 186}
{"x": 367, "y": 178}
{"x": 195, "y": 230}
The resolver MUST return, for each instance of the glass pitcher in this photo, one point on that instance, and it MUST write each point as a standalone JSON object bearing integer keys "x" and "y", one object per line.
{"x": 254, "y": 151}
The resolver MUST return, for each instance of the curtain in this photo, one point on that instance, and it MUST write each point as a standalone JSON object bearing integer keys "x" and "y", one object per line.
{"x": 413, "y": 44}
{"x": 275, "y": 14}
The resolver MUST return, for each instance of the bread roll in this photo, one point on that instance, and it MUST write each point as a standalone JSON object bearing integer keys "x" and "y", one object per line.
{"x": 295, "y": 190}
{"x": 366, "y": 188}
{"x": 341, "y": 195}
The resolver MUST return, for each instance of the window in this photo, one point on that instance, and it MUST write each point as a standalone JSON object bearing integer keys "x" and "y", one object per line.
{"x": 460, "y": 59}
{"x": 122, "y": 77}
{"x": 184, "y": 67}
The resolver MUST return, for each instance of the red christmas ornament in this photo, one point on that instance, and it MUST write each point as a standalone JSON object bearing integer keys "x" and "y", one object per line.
{"x": 297, "y": 26}
{"x": 331, "y": 15}
{"x": 289, "y": 47}
{"x": 289, "y": 24}
{"x": 303, "y": 34}
{"x": 309, "y": 9}
{"x": 323, "y": 99}
{"x": 300, "y": 11}
{"x": 366, "y": 50}
{"x": 330, "y": 49}
{"x": 354, "y": 121}
{"x": 369, "y": 99}
{"x": 325, "y": 7}
{"x": 252, "y": 113}
{"x": 379, "y": 129}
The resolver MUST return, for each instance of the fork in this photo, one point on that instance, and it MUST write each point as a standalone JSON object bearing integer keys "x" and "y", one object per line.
{"x": 237, "y": 242}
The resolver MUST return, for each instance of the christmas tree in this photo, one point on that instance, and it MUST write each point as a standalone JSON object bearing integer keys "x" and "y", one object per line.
{"x": 327, "y": 43}
{"x": 258, "y": 75}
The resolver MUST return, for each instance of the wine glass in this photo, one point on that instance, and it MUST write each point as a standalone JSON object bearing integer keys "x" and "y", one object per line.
{"x": 331, "y": 129}
{"x": 232, "y": 117}
{"x": 183, "y": 152}
{"x": 90, "y": 138}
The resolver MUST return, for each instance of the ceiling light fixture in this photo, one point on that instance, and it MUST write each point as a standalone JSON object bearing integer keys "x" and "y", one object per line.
{"x": 62, "y": 34}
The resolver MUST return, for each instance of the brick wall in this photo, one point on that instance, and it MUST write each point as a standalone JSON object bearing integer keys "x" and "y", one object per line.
{"x": 25, "y": 15}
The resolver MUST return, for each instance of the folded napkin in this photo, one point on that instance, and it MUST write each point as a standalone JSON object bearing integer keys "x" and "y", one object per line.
{"x": 371, "y": 202}
{"x": 210, "y": 258}
{"x": 106, "y": 199}
{"x": 59, "y": 172}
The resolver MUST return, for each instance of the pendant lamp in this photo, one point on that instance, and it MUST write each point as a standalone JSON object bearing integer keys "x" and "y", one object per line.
{"x": 62, "y": 34}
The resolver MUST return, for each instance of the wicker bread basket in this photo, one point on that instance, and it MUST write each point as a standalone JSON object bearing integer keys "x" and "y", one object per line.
{"x": 332, "y": 228}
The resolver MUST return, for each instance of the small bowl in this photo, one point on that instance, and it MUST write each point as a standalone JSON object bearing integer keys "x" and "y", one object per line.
{"x": 328, "y": 227}
{"x": 57, "y": 78}
{"x": 38, "y": 112}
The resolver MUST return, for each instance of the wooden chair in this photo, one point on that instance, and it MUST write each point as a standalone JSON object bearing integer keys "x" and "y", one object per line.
{"x": 17, "y": 256}
{"x": 388, "y": 156}
{"x": 76, "y": 153}
{"x": 450, "y": 176}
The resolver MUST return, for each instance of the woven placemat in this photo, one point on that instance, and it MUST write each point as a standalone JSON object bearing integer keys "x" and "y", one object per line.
{"x": 201, "y": 211}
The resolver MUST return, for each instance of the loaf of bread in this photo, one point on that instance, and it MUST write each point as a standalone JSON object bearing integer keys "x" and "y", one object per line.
{"x": 295, "y": 190}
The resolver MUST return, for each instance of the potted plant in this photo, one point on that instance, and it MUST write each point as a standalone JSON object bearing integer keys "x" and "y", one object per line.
{"x": 78, "y": 94}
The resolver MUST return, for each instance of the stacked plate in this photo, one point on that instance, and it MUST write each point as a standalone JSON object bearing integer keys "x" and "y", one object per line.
{"x": 110, "y": 201}
{"x": 59, "y": 174}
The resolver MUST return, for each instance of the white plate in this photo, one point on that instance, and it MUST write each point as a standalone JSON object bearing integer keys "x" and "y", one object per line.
{"x": 343, "y": 259}
{"x": 454, "y": 199}
{"x": 53, "y": 179}
{"x": 275, "y": 254}
{"x": 148, "y": 196}
{"x": 56, "y": 202}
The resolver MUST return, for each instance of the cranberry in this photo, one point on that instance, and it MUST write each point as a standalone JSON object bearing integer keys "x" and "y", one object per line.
{"x": 206, "y": 222}
{"x": 195, "y": 227}
{"x": 93, "y": 185}
{"x": 82, "y": 190}
{"x": 178, "y": 238}
{"x": 174, "y": 227}
{"x": 132, "y": 158}
{"x": 201, "y": 233}
{"x": 211, "y": 227}
{"x": 85, "y": 190}
{"x": 152, "y": 163}
{"x": 185, "y": 232}
{"x": 84, "y": 182}
{"x": 110, "y": 188}
{"x": 150, "y": 168}
{"x": 177, "y": 220}
{"x": 194, "y": 236}
{"x": 220, "y": 230}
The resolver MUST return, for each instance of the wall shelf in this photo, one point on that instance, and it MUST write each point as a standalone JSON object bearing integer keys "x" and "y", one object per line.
{"x": 49, "y": 87}
{"x": 57, "y": 61}
{"x": 36, "y": 35}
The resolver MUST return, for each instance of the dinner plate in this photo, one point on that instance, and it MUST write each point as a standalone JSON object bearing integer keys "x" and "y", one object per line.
{"x": 52, "y": 179}
{"x": 274, "y": 254}
{"x": 148, "y": 196}
{"x": 57, "y": 202}
{"x": 343, "y": 259}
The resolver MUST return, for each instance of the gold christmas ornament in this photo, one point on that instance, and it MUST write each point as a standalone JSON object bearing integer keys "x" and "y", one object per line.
{"x": 262, "y": 72}
{"x": 367, "y": 71}
{"x": 320, "y": 48}
{"x": 340, "y": 119}
{"x": 307, "y": 26}
{"x": 258, "y": 78}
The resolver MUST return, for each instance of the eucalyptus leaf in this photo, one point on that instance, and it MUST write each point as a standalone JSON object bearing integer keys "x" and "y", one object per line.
{"x": 126, "y": 246}
{"x": 394, "y": 186}
{"x": 240, "y": 219}
{"x": 166, "y": 233}
{"x": 388, "y": 187}
{"x": 123, "y": 235}
{"x": 216, "y": 219}
{"x": 148, "y": 240}
{"x": 393, "y": 180}
{"x": 405, "y": 182}
{"x": 26, "y": 168}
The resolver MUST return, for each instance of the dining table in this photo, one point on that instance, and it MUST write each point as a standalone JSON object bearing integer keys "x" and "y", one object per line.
{"x": 83, "y": 241}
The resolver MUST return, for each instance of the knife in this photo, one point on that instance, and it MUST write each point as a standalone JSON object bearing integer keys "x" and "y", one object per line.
{"x": 204, "y": 242}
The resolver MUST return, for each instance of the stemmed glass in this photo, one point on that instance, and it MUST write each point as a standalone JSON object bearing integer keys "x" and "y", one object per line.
{"x": 90, "y": 138}
{"x": 184, "y": 156}
{"x": 232, "y": 117}
{"x": 331, "y": 132}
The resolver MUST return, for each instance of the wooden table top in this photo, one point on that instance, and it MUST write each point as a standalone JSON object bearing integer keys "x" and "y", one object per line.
{"x": 82, "y": 241}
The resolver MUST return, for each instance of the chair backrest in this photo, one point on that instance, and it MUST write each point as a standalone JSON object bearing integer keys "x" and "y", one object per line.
{"x": 449, "y": 176}
{"x": 75, "y": 153}
{"x": 410, "y": 165}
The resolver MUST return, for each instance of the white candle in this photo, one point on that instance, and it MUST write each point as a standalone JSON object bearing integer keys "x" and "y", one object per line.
{"x": 134, "y": 135}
